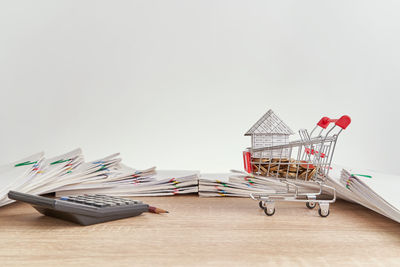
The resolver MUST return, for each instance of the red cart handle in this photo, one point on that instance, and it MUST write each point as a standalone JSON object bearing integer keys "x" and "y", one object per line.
{"x": 343, "y": 122}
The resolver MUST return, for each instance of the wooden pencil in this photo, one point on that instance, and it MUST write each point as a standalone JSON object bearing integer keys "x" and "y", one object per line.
{"x": 156, "y": 210}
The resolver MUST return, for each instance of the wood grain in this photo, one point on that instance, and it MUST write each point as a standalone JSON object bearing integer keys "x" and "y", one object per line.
{"x": 203, "y": 231}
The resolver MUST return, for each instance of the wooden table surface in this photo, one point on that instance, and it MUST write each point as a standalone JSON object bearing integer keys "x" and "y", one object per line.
{"x": 200, "y": 231}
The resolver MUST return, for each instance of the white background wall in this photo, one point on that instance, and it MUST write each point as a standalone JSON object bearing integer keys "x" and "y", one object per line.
{"x": 177, "y": 83}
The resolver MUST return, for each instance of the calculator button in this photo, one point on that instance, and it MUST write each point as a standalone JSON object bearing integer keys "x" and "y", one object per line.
{"x": 100, "y": 200}
{"x": 100, "y": 205}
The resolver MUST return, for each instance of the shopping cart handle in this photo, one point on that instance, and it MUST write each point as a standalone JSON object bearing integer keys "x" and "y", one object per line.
{"x": 324, "y": 122}
{"x": 343, "y": 122}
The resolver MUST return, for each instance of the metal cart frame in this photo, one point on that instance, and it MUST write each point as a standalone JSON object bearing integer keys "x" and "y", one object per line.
{"x": 302, "y": 164}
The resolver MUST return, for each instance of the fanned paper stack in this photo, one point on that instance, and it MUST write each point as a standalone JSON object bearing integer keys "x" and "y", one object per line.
{"x": 69, "y": 173}
{"x": 140, "y": 183}
{"x": 233, "y": 185}
{"x": 371, "y": 189}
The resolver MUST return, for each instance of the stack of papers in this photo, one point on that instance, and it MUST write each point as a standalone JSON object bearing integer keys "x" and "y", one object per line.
{"x": 69, "y": 173}
{"x": 149, "y": 183}
{"x": 235, "y": 185}
{"x": 373, "y": 190}
{"x": 15, "y": 175}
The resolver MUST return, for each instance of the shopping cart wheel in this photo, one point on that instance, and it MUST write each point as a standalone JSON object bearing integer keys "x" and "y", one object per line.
{"x": 261, "y": 204}
{"x": 269, "y": 211}
{"x": 311, "y": 205}
{"x": 323, "y": 213}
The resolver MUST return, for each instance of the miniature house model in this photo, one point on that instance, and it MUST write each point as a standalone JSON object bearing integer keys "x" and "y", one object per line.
{"x": 268, "y": 131}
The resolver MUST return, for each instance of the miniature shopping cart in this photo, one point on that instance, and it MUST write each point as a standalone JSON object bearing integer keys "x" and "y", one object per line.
{"x": 302, "y": 166}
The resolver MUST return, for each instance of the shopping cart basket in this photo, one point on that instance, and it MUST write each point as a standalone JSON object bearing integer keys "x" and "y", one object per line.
{"x": 302, "y": 166}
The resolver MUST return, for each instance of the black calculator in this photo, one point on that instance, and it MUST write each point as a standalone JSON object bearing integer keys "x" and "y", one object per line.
{"x": 84, "y": 209}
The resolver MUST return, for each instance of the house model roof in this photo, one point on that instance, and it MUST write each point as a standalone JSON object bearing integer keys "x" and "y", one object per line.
{"x": 270, "y": 123}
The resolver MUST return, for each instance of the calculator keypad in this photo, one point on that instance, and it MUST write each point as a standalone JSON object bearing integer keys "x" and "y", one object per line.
{"x": 101, "y": 201}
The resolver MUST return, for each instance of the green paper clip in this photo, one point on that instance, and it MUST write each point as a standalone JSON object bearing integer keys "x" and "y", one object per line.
{"x": 25, "y": 163}
{"x": 363, "y": 175}
{"x": 59, "y": 161}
